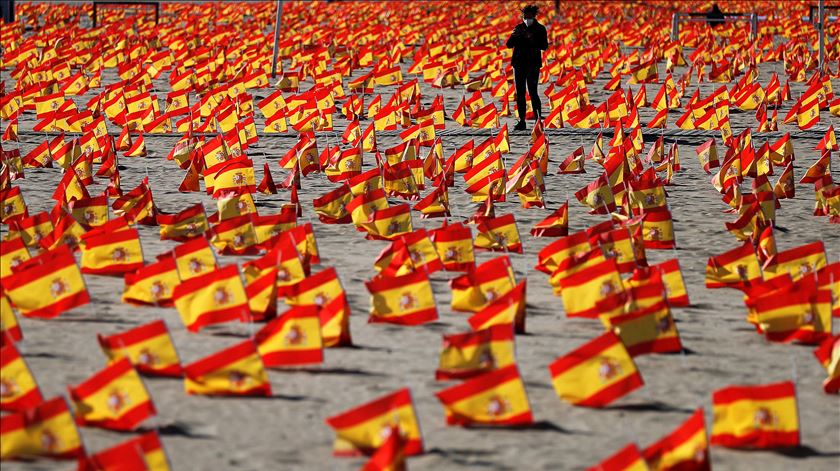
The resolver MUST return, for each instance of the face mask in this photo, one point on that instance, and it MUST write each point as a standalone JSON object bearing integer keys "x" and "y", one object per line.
{"x": 528, "y": 21}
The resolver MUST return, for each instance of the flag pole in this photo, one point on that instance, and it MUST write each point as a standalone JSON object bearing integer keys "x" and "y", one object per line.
{"x": 277, "y": 19}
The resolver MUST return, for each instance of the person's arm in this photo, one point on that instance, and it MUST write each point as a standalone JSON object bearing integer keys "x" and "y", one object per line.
{"x": 543, "y": 39}
{"x": 515, "y": 38}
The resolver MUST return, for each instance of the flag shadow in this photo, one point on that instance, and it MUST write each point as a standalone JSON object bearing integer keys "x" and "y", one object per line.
{"x": 179, "y": 429}
{"x": 805, "y": 451}
{"x": 467, "y": 457}
{"x": 653, "y": 406}
{"x": 538, "y": 426}
{"x": 333, "y": 371}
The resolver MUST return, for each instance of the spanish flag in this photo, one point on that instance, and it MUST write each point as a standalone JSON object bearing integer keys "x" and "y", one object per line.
{"x": 669, "y": 273}
{"x": 212, "y": 298}
{"x": 490, "y": 280}
{"x": 152, "y": 284}
{"x": 365, "y": 428}
{"x": 114, "y": 398}
{"x": 555, "y": 225}
{"x": 807, "y": 259}
{"x": 193, "y": 258}
{"x": 331, "y": 207}
{"x": 183, "y": 226}
{"x": 9, "y": 328}
{"x": 473, "y": 353}
{"x": 149, "y": 347}
{"x": 801, "y": 313}
{"x": 737, "y": 268}
{"x": 498, "y": 234}
{"x": 508, "y": 309}
{"x": 261, "y": 290}
{"x": 47, "y": 429}
{"x": 405, "y": 300}
{"x": 597, "y": 195}
{"x": 596, "y": 373}
{"x": 828, "y": 354}
{"x": 558, "y": 252}
{"x": 112, "y": 253}
{"x": 319, "y": 289}
{"x": 582, "y": 290}
{"x": 494, "y": 398}
{"x": 685, "y": 448}
{"x": 19, "y": 388}
{"x": 293, "y": 338}
{"x": 234, "y": 236}
{"x": 454, "y": 245}
{"x": 628, "y": 458}
{"x": 234, "y": 371}
{"x": 762, "y": 416}
{"x": 648, "y": 330}
{"x": 153, "y": 453}
{"x": 48, "y": 285}
{"x": 390, "y": 223}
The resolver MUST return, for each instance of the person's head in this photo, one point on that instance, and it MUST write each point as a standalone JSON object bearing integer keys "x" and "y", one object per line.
{"x": 529, "y": 13}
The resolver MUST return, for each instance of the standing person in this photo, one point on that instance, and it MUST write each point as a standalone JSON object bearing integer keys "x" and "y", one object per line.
{"x": 527, "y": 40}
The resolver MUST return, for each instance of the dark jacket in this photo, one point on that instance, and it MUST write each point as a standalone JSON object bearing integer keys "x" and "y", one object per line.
{"x": 527, "y": 42}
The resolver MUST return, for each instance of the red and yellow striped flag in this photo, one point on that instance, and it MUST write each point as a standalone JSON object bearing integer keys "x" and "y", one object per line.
{"x": 212, "y": 298}
{"x": 18, "y": 389}
{"x": 737, "y": 268}
{"x": 488, "y": 282}
{"x": 390, "y": 456}
{"x": 47, "y": 285}
{"x": 365, "y": 428}
{"x": 407, "y": 299}
{"x": 508, "y": 309}
{"x": 183, "y": 226}
{"x": 498, "y": 234}
{"x": 454, "y": 245}
{"x": 194, "y": 258}
{"x": 124, "y": 456}
{"x": 494, "y": 398}
{"x": 47, "y": 429}
{"x": 114, "y": 398}
{"x": 149, "y": 347}
{"x": 685, "y": 448}
{"x": 762, "y": 416}
{"x": 828, "y": 354}
{"x": 152, "y": 284}
{"x": 293, "y": 338}
{"x": 583, "y": 290}
{"x": 234, "y": 371}
{"x": 12, "y": 253}
{"x": 648, "y": 330}
{"x": 596, "y": 373}
{"x": 473, "y": 353}
{"x": 112, "y": 253}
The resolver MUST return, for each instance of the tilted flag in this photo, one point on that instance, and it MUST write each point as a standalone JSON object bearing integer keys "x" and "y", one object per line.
{"x": 649, "y": 330}
{"x": 685, "y": 448}
{"x": 582, "y": 290}
{"x": 390, "y": 456}
{"x": 47, "y": 429}
{"x": 737, "y": 268}
{"x": 555, "y": 225}
{"x": 365, "y": 428}
{"x": 473, "y": 353}
{"x": 828, "y": 354}
{"x": 628, "y": 458}
{"x": 47, "y": 285}
{"x": 212, "y": 298}
{"x": 494, "y": 398}
{"x": 454, "y": 245}
{"x": 124, "y": 456}
{"x": 153, "y": 284}
{"x": 114, "y": 398}
{"x": 293, "y": 338}
{"x": 762, "y": 416}
{"x": 18, "y": 389}
{"x": 508, "y": 309}
{"x": 596, "y": 373}
{"x": 183, "y": 226}
{"x": 233, "y": 371}
{"x": 498, "y": 234}
{"x": 407, "y": 299}
{"x": 149, "y": 347}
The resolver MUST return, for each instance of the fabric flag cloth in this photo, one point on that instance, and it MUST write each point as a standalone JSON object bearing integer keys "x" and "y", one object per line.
{"x": 737, "y": 268}
{"x": 112, "y": 253}
{"x": 149, "y": 347}
{"x": 596, "y": 373}
{"x": 628, "y": 458}
{"x": 114, "y": 398}
{"x": 47, "y": 285}
{"x": 762, "y": 416}
{"x": 555, "y": 225}
{"x": 47, "y": 429}
{"x": 470, "y": 354}
{"x": 507, "y": 309}
{"x": 648, "y": 330}
{"x": 233, "y": 371}
{"x": 582, "y": 290}
{"x": 498, "y": 234}
{"x": 293, "y": 338}
{"x": 685, "y": 448}
{"x": 828, "y": 354}
{"x": 365, "y": 428}
{"x": 126, "y": 456}
{"x": 391, "y": 454}
{"x": 153, "y": 284}
{"x": 494, "y": 398}
{"x": 18, "y": 389}
{"x": 407, "y": 299}
{"x": 212, "y": 298}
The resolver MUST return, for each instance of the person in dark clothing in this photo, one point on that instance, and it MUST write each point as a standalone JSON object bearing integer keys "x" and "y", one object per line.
{"x": 527, "y": 40}
{"x": 715, "y": 17}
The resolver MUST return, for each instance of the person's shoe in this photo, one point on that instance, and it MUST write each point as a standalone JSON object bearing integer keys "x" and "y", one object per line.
{"x": 520, "y": 126}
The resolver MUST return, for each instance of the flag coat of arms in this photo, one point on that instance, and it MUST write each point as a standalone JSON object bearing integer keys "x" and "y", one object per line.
{"x": 685, "y": 448}
{"x": 293, "y": 338}
{"x": 407, "y": 299}
{"x": 212, "y": 298}
{"x": 47, "y": 429}
{"x": 19, "y": 389}
{"x": 470, "y": 354}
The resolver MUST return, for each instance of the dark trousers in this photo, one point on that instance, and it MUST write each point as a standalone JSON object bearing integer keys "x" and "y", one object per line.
{"x": 529, "y": 76}
{"x": 8, "y": 10}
